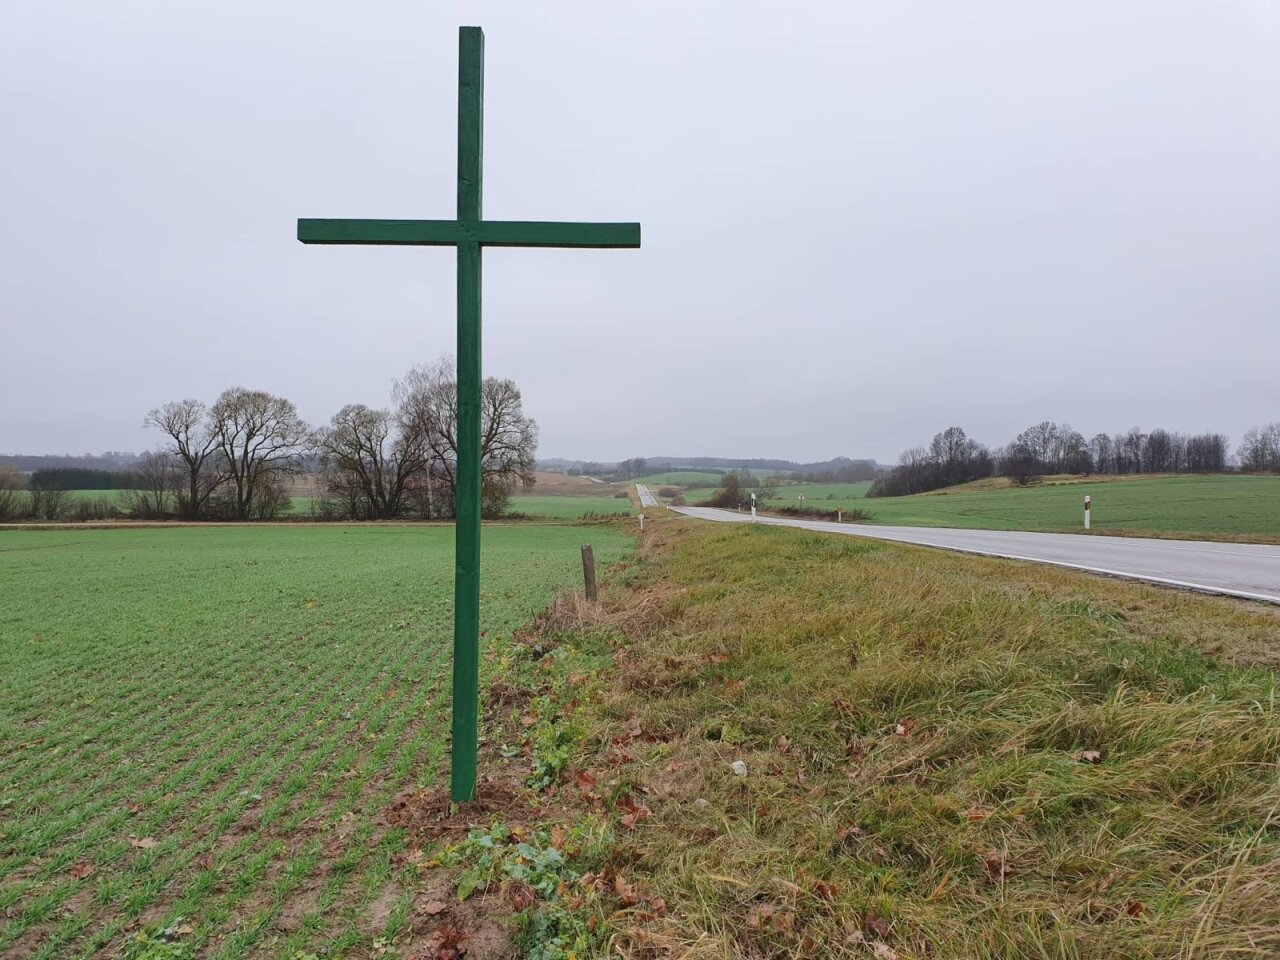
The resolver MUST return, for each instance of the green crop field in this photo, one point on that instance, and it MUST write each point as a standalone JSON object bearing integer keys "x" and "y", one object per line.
{"x": 569, "y": 508}
{"x": 680, "y": 478}
{"x": 1203, "y": 505}
{"x": 199, "y": 727}
{"x": 696, "y": 478}
{"x": 822, "y": 496}
{"x": 114, "y": 496}
{"x": 303, "y": 506}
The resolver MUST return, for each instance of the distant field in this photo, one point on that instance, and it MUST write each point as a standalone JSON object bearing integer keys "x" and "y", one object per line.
{"x": 680, "y": 478}
{"x": 114, "y": 496}
{"x": 820, "y": 496}
{"x": 568, "y": 508}
{"x": 200, "y": 727}
{"x": 1216, "y": 504}
{"x": 563, "y": 485}
{"x": 302, "y": 506}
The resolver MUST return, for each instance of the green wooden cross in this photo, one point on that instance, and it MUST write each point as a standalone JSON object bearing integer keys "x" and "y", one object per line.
{"x": 469, "y": 233}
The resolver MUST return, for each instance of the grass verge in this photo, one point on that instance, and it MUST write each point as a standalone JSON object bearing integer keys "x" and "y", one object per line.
{"x": 944, "y": 756}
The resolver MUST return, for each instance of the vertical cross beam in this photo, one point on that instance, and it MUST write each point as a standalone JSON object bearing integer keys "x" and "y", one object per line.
{"x": 466, "y": 588}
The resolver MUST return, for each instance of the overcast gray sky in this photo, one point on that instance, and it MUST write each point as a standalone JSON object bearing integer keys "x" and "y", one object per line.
{"x": 863, "y": 221}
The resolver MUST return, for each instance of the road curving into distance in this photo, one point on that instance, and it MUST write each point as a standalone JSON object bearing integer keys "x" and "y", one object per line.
{"x": 1247, "y": 570}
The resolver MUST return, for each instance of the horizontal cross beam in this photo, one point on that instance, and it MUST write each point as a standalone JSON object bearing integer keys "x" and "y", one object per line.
{"x": 488, "y": 233}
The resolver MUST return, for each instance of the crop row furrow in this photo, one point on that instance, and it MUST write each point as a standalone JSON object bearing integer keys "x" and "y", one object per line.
{"x": 166, "y": 813}
{"x": 148, "y": 721}
{"x": 318, "y": 754}
{"x": 180, "y": 741}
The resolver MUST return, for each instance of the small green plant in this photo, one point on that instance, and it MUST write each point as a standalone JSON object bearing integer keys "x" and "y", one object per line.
{"x": 502, "y": 852}
{"x": 552, "y": 932}
{"x": 554, "y": 741}
{"x": 159, "y": 943}
{"x": 543, "y": 864}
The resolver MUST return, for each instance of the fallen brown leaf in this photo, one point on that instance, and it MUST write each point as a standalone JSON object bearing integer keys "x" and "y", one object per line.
{"x": 632, "y": 812}
{"x": 445, "y": 943}
{"x": 996, "y": 864}
{"x": 877, "y": 925}
{"x": 826, "y": 891}
{"x": 625, "y": 891}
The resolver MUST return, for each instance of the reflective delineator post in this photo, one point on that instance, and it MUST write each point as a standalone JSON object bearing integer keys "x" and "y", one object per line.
{"x": 1088, "y": 502}
{"x": 753, "y": 508}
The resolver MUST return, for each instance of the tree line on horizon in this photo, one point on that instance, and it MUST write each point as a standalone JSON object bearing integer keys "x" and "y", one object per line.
{"x": 1048, "y": 448}
{"x": 235, "y": 459}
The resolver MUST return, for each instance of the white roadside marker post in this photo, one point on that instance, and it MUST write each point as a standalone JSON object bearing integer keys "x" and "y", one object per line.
{"x": 642, "y": 523}
{"x": 1088, "y": 502}
{"x": 839, "y": 515}
{"x": 753, "y": 508}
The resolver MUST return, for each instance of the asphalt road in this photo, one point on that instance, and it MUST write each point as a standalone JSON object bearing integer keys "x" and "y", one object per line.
{"x": 1244, "y": 570}
{"x": 647, "y": 499}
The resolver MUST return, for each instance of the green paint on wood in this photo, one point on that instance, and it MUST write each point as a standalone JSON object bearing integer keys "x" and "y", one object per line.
{"x": 466, "y": 574}
{"x": 488, "y": 233}
{"x": 470, "y": 233}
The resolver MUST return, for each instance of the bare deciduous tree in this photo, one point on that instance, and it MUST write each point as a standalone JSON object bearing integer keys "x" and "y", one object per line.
{"x": 371, "y": 458}
{"x": 1260, "y": 448}
{"x": 427, "y": 407}
{"x": 1207, "y": 452}
{"x": 1103, "y": 453}
{"x": 193, "y": 441}
{"x": 11, "y": 497}
{"x": 160, "y": 478}
{"x": 259, "y": 438}
{"x": 48, "y": 499}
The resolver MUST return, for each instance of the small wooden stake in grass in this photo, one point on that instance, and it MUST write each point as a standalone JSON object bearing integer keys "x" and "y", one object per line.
{"x": 470, "y": 233}
{"x": 589, "y": 571}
